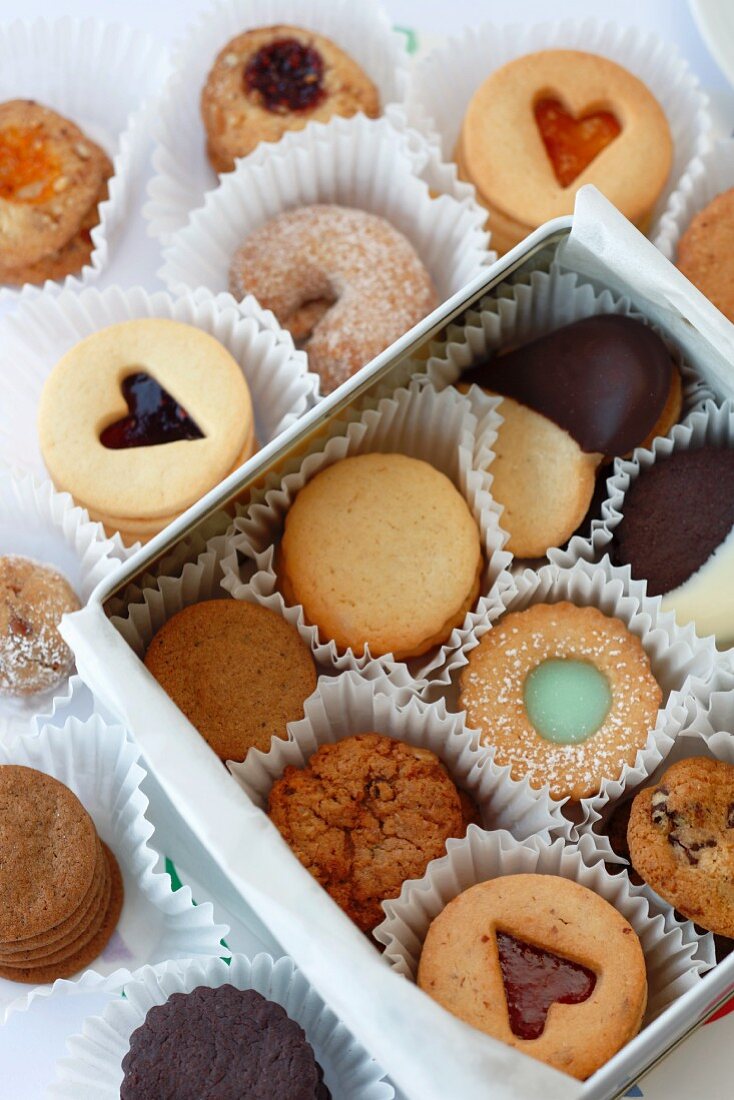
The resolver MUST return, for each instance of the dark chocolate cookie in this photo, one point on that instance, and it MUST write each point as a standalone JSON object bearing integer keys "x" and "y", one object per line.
{"x": 220, "y": 1044}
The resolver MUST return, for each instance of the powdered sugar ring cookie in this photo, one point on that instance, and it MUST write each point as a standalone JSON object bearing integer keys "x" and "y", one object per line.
{"x": 345, "y": 283}
{"x": 486, "y": 960}
{"x": 273, "y": 79}
{"x": 197, "y": 433}
{"x": 564, "y": 694}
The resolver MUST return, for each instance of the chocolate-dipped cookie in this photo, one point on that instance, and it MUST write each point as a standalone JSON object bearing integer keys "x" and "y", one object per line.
{"x": 676, "y": 533}
{"x": 602, "y": 386}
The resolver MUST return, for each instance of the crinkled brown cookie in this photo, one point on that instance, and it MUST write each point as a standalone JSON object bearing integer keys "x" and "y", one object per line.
{"x": 366, "y": 814}
{"x": 681, "y": 840}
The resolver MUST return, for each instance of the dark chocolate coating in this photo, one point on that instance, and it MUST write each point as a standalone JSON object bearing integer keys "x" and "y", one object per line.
{"x": 220, "y": 1044}
{"x": 604, "y": 379}
{"x": 675, "y": 514}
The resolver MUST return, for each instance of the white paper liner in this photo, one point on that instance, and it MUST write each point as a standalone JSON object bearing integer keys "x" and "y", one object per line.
{"x": 358, "y": 162}
{"x": 183, "y": 174}
{"x": 102, "y": 77}
{"x": 348, "y": 704}
{"x": 670, "y": 954}
{"x": 94, "y": 1070}
{"x": 708, "y": 175}
{"x": 38, "y": 523}
{"x": 676, "y": 654}
{"x": 442, "y": 85}
{"x": 417, "y": 421}
{"x": 99, "y": 764}
{"x": 710, "y": 425}
{"x": 43, "y": 329}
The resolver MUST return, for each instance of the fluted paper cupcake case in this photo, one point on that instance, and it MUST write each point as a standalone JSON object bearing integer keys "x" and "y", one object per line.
{"x": 676, "y": 654}
{"x": 442, "y": 85}
{"x": 355, "y": 162}
{"x": 711, "y": 425}
{"x": 708, "y": 175}
{"x": 349, "y": 703}
{"x": 43, "y": 329}
{"x": 183, "y": 174}
{"x": 670, "y": 954}
{"x": 93, "y": 1071}
{"x": 102, "y": 76}
{"x": 100, "y": 764}
{"x": 38, "y": 523}
{"x": 437, "y": 428}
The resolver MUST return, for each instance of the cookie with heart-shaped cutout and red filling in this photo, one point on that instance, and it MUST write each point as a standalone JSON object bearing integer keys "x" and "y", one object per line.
{"x": 141, "y": 419}
{"x": 542, "y": 963}
{"x": 545, "y": 124}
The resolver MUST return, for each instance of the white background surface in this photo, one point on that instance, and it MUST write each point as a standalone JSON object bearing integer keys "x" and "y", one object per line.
{"x": 31, "y": 1042}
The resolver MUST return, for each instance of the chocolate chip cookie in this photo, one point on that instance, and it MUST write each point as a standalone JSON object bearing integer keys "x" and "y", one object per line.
{"x": 681, "y": 840}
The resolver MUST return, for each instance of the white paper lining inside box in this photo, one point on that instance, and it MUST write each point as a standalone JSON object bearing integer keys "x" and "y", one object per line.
{"x": 100, "y": 76}
{"x": 437, "y": 428}
{"x": 99, "y": 764}
{"x": 93, "y": 1070}
{"x": 183, "y": 174}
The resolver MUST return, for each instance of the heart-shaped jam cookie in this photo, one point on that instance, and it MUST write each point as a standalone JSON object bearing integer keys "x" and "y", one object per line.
{"x": 154, "y": 417}
{"x": 538, "y": 961}
{"x": 572, "y": 143}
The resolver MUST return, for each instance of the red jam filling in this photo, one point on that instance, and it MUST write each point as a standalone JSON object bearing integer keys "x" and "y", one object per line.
{"x": 28, "y": 168}
{"x": 287, "y": 75}
{"x": 534, "y": 979}
{"x": 154, "y": 417}
{"x": 572, "y": 143}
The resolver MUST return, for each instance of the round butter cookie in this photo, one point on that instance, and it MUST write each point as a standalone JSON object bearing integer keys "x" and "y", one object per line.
{"x": 141, "y": 419}
{"x": 681, "y": 840}
{"x": 51, "y": 174}
{"x": 381, "y": 550}
{"x": 541, "y": 963}
{"x": 706, "y": 252}
{"x": 563, "y": 694}
{"x": 366, "y": 814}
{"x": 274, "y": 79}
{"x": 238, "y": 671}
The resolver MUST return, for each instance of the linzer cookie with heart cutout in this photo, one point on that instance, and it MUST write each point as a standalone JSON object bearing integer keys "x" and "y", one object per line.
{"x": 681, "y": 840}
{"x": 141, "y": 419}
{"x": 545, "y": 124}
{"x": 542, "y": 963}
{"x": 591, "y": 390}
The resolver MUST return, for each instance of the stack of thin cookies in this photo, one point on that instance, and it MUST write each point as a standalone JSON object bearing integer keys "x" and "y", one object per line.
{"x": 60, "y": 884}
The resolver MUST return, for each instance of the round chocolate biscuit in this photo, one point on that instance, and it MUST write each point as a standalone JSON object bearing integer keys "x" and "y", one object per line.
{"x": 238, "y": 671}
{"x": 675, "y": 515}
{"x": 49, "y": 849}
{"x": 225, "y": 1043}
{"x": 85, "y": 953}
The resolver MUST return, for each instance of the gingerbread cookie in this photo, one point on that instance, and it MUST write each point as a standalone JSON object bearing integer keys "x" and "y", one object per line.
{"x": 381, "y": 550}
{"x": 681, "y": 840}
{"x": 141, "y": 419}
{"x": 598, "y": 387}
{"x": 344, "y": 282}
{"x": 678, "y": 535}
{"x": 535, "y": 132}
{"x": 563, "y": 694}
{"x": 238, "y": 671}
{"x": 226, "y": 1043}
{"x": 51, "y": 174}
{"x": 273, "y": 79}
{"x": 33, "y": 598}
{"x": 541, "y": 963}
{"x": 61, "y": 886}
{"x": 364, "y": 815}
{"x": 706, "y": 252}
